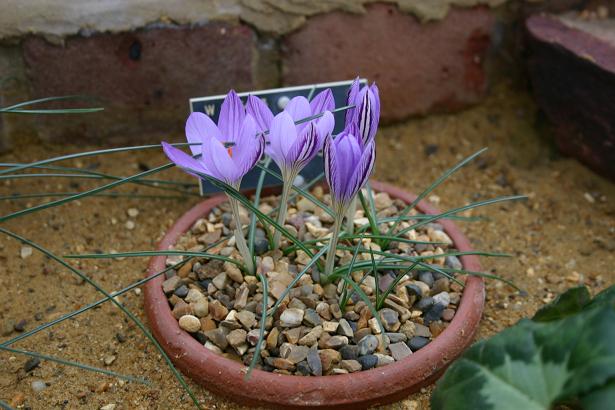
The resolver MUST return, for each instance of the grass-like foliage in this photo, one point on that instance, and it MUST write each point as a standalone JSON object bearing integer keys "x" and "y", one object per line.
{"x": 564, "y": 357}
{"x": 251, "y": 137}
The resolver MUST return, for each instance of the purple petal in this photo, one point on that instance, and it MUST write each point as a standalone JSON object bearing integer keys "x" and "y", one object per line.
{"x": 351, "y": 98}
{"x": 364, "y": 169}
{"x": 232, "y": 114}
{"x": 322, "y": 102}
{"x": 246, "y": 146}
{"x": 298, "y": 108}
{"x": 348, "y": 154}
{"x": 282, "y": 135}
{"x": 260, "y": 111}
{"x": 183, "y": 160}
{"x": 330, "y": 163}
{"x": 324, "y": 126}
{"x": 364, "y": 115}
{"x": 218, "y": 161}
{"x": 304, "y": 148}
{"x": 199, "y": 127}
{"x": 375, "y": 104}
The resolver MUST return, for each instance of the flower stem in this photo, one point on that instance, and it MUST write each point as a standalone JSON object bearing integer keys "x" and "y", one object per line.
{"x": 352, "y": 210}
{"x": 240, "y": 239}
{"x": 333, "y": 245}
{"x": 288, "y": 178}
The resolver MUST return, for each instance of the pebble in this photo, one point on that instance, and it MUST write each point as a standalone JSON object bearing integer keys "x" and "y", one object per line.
{"x": 345, "y": 329}
{"x": 272, "y": 338}
{"x": 261, "y": 245}
{"x": 132, "y": 212}
{"x": 421, "y": 330}
{"x": 368, "y": 345}
{"x": 291, "y": 317}
{"x": 399, "y": 350}
{"x": 427, "y": 278}
{"x": 200, "y": 308}
{"x": 25, "y": 252}
{"x": 330, "y": 327}
{"x": 453, "y": 262}
{"x": 247, "y": 319}
{"x": 236, "y": 337}
{"x": 329, "y": 358}
{"x": 312, "y": 337}
{"x": 390, "y": 319}
{"x": 181, "y": 291}
{"x": 31, "y": 364}
{"x": 433, "y": 314}
{"x": 448, "y": 314}
{"x": 294, "y": 353}
{"x": 311, "y": 318}
{"x": 108, "y": 360}
{"x": 38, "y": 385}
{"x": 221, "y": 280}
{"x": 314, "y": 362}
{"x": 130, "y": 225}
{"x": 397, "y": 337}
{"x": 424, "y": 304}
{"x": 368, "y": 361}
{"x": 253, "y": 336}
{"x": 417, "y": 343}
{"x": 218, "y": 310}
{"x": 383, "y": 359}
{"x": 442, "y": 298}
{"x": 110, "y": 406}
{"x": 190, "y": 323}
{"x": 351, "y": 366}
{"x": 20, "y": 326}
{"x": 323, "y": 310}
{"x": 217, "y": 337}
{"x": 335, "y": 342}
{"x": 349, "y": 352}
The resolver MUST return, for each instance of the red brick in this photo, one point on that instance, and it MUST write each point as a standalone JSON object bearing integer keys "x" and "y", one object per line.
{"x": 144, "y": 78}
{"x": 420, "y": 68}
{"x": 573, "y": 77}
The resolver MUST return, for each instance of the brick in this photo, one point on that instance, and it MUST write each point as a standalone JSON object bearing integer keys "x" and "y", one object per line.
{"x": 420, "y": 68}
{"x": 144, "y": 78}
{"x": 582, "y": 111}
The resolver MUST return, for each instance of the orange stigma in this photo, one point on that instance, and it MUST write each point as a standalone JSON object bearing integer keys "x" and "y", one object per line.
{"x": 230, "y": 151}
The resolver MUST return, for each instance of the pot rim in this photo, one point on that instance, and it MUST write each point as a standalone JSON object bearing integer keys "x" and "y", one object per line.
{"x": 361, "y": 389}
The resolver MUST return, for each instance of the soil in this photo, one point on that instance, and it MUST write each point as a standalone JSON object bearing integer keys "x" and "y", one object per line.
{"x": 562, "y": 236}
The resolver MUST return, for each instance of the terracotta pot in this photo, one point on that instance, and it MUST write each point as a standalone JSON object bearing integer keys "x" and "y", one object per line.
{"x": 358, "y": 390}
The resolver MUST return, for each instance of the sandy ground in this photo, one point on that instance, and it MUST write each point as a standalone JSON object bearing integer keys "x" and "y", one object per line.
{"x": 564, "y": 234}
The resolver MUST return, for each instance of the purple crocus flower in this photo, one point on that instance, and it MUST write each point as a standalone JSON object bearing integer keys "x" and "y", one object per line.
{"x": 348, "y": 166}
{"x": 225, "y": 163}
{"x": 366, "y": 113}
{"x": 292, "y": 146}
{"x": 235, "y": 128}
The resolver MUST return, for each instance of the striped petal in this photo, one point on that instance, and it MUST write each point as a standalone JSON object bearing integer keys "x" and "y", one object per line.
{"x": 232, "y": 114}
{"x": 303, "y": 149}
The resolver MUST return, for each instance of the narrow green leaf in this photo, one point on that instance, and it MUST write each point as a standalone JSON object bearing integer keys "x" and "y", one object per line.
{"x": 365, "y": 299}
{"x": 263, "y": 323}
{"x": 75, "y": 364}
{"x": 434, "y": 185}
{"x": 128, "y": 313}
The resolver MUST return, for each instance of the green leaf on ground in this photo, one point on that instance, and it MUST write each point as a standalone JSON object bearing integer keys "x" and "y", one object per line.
{"x": 540, "y": 364}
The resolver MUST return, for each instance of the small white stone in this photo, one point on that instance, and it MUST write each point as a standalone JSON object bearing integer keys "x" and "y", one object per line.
{"x": 130, "y": 225}
{"x": 132, "y": 212}
{"x": 25, "y": 252}
{"x": 110, "y": 406}
{"x": 38, "y": 385}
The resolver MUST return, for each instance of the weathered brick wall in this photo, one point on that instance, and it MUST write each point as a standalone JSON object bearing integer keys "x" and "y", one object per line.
{"x": 146, "y": 60}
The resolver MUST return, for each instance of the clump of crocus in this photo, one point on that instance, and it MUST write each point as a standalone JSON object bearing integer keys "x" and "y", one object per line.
{"x": 364, "y": 116}
{"x": 226, "y": 152}
{"x": 350, "y": 157}
{"x": 292, "y": 144}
